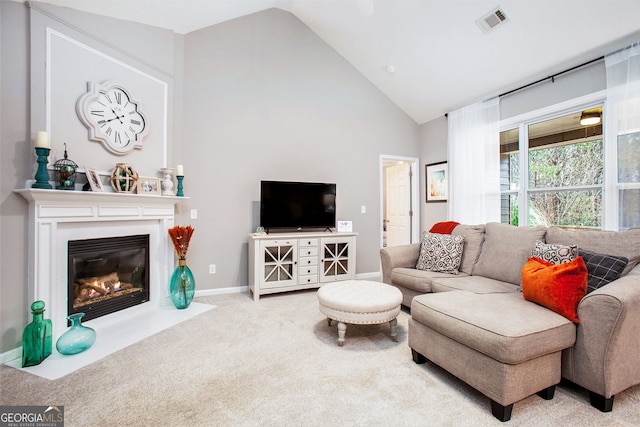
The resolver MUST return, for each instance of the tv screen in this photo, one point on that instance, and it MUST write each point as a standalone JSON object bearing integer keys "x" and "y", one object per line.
{"x": 297, "y": 205}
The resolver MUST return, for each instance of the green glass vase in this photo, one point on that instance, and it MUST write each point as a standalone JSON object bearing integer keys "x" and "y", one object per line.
{"x": 78, "y": 337}
{"x": 182, "y": 286}
{"x": 36, "y": 338}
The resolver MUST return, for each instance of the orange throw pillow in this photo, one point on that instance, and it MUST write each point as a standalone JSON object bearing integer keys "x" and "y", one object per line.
{"x": 559, "y": 287}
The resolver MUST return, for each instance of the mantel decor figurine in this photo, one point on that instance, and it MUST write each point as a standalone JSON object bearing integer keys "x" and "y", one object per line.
{"x": 65, "y": 172}
{"x": 43, "y": 148}
{"x": 124, "y": 179}
{"x": 182, "y": 285}
{"x": 167, "y": 182}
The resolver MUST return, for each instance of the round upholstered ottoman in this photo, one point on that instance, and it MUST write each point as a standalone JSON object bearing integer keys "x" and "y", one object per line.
{"x": 360, "y": 302}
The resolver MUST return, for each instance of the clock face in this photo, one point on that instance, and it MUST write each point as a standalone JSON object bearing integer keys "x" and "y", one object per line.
{"x": 112, "y": 118}
{"x": 117, "y": 117}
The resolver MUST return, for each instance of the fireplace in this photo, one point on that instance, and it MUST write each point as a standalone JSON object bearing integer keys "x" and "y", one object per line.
{"x": 59, "y": 217}
{"x": 107, "y": 275}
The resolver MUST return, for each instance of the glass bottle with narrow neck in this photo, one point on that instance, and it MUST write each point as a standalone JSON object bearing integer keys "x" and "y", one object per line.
{"x": 36, "y": 338}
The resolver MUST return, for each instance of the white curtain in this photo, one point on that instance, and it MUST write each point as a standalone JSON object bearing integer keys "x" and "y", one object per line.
{"x": 473, "y": 153}
{"x": 622, "y": 184}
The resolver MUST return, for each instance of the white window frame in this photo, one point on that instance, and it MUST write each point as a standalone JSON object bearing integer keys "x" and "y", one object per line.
{"x": 609, "y": 185}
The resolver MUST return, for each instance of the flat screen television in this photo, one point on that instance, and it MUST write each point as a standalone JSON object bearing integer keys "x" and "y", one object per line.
{"x": 297, "y": 205}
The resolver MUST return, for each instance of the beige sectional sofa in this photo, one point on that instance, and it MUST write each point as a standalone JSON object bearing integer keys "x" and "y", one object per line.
{"x": 477, "y": 325}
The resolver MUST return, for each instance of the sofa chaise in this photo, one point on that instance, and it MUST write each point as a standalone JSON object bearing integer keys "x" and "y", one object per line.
{"x": 475, "y": 322}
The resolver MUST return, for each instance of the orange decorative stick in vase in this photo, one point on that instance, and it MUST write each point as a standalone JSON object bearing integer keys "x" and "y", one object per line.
{"x": 182, "y": 285}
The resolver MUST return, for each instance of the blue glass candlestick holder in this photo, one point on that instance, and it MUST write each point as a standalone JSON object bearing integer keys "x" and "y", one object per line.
{"x": 180, "y": 193}
{"x": 42, "y": 175}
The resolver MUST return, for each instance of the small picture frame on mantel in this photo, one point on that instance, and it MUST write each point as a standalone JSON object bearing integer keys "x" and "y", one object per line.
{"x": 149, "y": 186}
{"x": 94, "y": 180}
{"x": 437, "y": 175}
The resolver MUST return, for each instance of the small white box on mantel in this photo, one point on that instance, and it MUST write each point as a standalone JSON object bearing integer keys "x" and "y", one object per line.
{"x": 345, "y": 226}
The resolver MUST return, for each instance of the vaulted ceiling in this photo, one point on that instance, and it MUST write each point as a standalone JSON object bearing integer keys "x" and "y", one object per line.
{"x": 427, "y": 56}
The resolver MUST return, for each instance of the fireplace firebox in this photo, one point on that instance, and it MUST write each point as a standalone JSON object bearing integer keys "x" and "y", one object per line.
{"x": 107, "y": 274}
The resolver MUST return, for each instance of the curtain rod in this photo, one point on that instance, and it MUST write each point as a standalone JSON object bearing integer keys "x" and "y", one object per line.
{"x": 552, "y": 77}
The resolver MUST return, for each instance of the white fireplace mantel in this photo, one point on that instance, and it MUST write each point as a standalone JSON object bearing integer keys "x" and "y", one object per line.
{"x": 57, "y": 216}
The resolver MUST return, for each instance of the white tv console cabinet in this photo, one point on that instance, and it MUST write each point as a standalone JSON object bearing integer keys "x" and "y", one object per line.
{"x": 281, "y": 262}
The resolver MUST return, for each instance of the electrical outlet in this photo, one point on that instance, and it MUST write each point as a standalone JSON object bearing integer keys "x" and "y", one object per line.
{"x": 194, "y": 213}
{"x": 212, "y": 269}
{"x": 363, "y": 209}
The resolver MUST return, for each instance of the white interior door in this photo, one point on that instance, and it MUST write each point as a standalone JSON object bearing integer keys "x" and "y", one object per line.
{"x": 398, "y": 207}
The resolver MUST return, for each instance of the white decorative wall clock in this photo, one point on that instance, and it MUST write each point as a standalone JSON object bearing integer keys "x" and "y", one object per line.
{"x": 112, "y": 117}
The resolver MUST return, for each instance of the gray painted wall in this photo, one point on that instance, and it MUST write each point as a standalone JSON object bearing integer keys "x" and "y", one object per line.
{"x": 260, "y": 97}
{"x": 14, "y": 150}
{"x": 433, "y": 149}
{"x": 266, "y": 98}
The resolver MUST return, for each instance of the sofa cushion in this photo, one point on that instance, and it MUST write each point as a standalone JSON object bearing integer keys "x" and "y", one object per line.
{"x": 506, "y": 250}
{"x": 440, "y": 253}
{"x": 473, "y": 238}
{"x": 475, "y": 284}
{"x": 618, "y": 243}
{"x": 559, "y": 287}
{"x": 555, "y": 254}
{"x": 417, "y": 280}
{"x": 602, "y": 269}
{"x": 505, "y": 327}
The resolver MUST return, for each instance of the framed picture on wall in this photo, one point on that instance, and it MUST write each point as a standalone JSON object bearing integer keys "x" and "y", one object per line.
{"x": 147, "y": 185}
{"x": 437, "y": 176}
{"x": 94, "y": 180}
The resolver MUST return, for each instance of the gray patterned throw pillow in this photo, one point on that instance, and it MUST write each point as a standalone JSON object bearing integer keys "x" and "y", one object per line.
{"x": 555, "y": 254}
{"x": 440, "y": 252}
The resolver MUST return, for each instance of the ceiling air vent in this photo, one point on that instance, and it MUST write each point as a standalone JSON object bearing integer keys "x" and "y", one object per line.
{"x": 492, "y": 19}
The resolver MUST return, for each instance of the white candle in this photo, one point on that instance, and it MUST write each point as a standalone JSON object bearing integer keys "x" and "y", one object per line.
{"x": 42, "y": 140}
{"x": 179, "y": 170}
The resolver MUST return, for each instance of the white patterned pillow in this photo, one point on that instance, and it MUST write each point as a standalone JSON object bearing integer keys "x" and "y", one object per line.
{"x": 440, "y": 252}
{"x": 555, "y": 254}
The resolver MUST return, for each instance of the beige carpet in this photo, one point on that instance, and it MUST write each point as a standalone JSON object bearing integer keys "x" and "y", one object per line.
{"x": 276, "y": 363}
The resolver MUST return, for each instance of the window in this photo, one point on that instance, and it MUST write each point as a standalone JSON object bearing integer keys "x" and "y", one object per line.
{"x": 552, "y": 172}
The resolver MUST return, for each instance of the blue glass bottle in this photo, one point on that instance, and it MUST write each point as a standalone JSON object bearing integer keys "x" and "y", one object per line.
{"x": 36, "y": 338}
{"x": 78, "y": 337}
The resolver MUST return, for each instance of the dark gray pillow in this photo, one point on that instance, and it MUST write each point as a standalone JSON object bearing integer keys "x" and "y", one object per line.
{"x": 601, "y": 268}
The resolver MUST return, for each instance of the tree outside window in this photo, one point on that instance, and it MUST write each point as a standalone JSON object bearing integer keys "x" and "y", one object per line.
{"x": 565, "y": 169}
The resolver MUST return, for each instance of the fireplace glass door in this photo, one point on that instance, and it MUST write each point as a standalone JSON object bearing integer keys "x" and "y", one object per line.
{"x": 107, "y": 274}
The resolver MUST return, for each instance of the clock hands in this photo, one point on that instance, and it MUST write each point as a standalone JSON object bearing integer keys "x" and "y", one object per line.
{"x": 116, "y": 116}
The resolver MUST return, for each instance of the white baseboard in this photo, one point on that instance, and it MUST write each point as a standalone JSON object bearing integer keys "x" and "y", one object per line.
{"x": 221, "y": 291}
{"x": 374, "y": 275}
{"x": 10, "y": 355}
